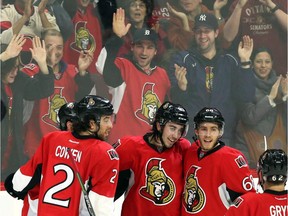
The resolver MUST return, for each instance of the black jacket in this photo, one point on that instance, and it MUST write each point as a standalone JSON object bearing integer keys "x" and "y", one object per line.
{"x": 24, "y": 87}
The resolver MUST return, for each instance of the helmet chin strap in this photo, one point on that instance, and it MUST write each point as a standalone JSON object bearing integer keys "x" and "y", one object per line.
{"x": 95, "y": 133}
{"x": 91, "y": 132}
{"x": 161, "y": 139}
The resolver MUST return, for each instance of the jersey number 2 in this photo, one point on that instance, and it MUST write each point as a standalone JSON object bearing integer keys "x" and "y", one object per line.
{"x": 48, "y": 197}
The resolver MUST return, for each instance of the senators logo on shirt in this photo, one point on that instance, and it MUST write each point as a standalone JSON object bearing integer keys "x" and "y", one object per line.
{"x": 194, "y": 198}
{"x": 149, "y": 105}
{"x": 84, "y": 40}
{"x": 159, "y": 188}
{"x": 55, "y": 101}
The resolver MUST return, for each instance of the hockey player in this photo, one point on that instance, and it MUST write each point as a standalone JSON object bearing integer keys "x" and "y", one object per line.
{"x": 152, "y": 159}
{"x": 67, "y": 115}
{"x": 214, "y": 174}
{"x": 272, "y": 173}
{"x": 98, "y": 162}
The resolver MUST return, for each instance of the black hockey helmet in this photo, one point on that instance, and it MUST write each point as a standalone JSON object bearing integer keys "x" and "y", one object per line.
{"x": 67, "y": 112}
{"x": 174, "y": 113}
{"x": 209, "y": 115}
{"x": 272, "y": 166}
{"x": 92, "y": 106}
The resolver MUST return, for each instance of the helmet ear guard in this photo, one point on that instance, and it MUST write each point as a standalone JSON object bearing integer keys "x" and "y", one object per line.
{"x": 221, "y": 131}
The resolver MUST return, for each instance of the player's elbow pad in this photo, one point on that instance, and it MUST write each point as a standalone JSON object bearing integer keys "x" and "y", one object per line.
{"x": 9, "y": 188}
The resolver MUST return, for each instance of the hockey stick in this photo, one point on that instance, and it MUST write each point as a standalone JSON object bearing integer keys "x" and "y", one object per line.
{"x": 265, "y": 143}
{"x": 86, "y": 197}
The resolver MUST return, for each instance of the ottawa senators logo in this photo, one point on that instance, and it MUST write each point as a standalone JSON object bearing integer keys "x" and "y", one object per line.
{"x": 55, "y": 101}
{"x": 209, "y": 78}
{"x": 150, "y": 104}
{"x": 194, "y": 198}
{"x": 83, "y": 39}
{"x": 159, "y": 188}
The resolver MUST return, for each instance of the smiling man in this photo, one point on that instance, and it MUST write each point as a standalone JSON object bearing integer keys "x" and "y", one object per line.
{"x": 155, "y": 161}
{"x": 138, "y": 86}
{"x": 207, "y": 76}
{"x": 215, "y": 174}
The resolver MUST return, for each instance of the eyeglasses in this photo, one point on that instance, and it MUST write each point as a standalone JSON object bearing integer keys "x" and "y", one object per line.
{"x": 141, "y": 5}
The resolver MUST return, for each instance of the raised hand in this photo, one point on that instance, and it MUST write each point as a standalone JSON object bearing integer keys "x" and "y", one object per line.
{"x": 241, "y": 3}
{"x": 27, "y": 9}
{"x": 39, "y": 54}
{"x": 176, "y": 13}
{"x": 180, "y": 15}
{"x": 219, "y": 4}
{"x": 14, "y": 47}
{"x": 180, "y": 73}
{"x": 38, "y": 51}
{"x": 119, "y": 26}
{"x": 268, "y": 3}
{"x": 245, "y": 48}
{"x": 42, "y": 6}
{"x": 84, "y": 61}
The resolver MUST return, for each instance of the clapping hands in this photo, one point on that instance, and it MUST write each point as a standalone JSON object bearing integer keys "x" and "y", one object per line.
{"x": 180, "y": 73}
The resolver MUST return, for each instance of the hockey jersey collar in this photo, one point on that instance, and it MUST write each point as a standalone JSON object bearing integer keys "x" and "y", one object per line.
{"x": 200, "y": 156}
{"x": 146, "y": 139}
{"x": 279, "y": 193}
{"x": 83, "y": 137}
{"x": 152, "y": 67}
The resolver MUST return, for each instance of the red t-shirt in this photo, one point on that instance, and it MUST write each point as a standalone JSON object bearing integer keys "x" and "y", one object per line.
{"x": 259, "y": 23}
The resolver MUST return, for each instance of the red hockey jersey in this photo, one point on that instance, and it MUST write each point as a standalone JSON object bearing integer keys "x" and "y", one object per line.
{"x": 60, "y": 192}
{"x": 208, "y": 178}
{"x": 87, "y": 35}
{"x": 156, "y": 182}
{"x": 137, "y": 99}
{"x": 264, "y": 204}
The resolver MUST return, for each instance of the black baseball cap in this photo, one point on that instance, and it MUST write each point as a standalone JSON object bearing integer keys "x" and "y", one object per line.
{"x": 145, "y": 34}
{"x": 206, "y": 19}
